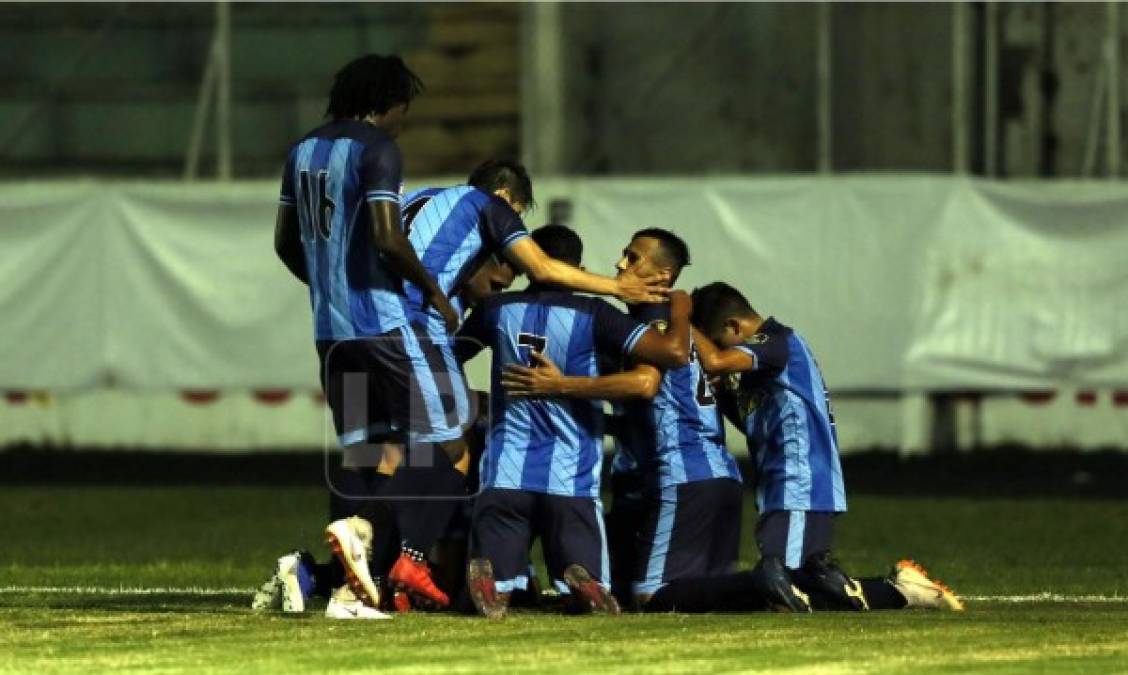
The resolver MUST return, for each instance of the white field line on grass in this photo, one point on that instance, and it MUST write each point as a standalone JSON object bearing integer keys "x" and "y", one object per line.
{"x": 1044, "y": 596}
{"x": 124, "y": 590}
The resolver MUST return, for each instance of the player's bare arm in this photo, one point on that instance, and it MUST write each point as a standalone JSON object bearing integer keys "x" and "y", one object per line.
{"x": 288, "y": 242}
{"x": 717, "y": 361}
{"x": 670, "y": 349}
{"x": 544, "y": 379}
{"x": 388, "y": 238}
{"x": 527, "y": 256}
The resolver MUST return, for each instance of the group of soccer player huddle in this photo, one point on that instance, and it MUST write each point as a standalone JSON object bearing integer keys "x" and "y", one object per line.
{"x": 442, "y": 492}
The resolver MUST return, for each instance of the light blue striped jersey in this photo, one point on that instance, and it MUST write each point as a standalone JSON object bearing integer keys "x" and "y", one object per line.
{"x": 552, "y": 446}
{"x": 330, "y": 177}
{"x": 678, "y": 436}
{"x": 454, "y": 231}
{"x": 784, "y": 408}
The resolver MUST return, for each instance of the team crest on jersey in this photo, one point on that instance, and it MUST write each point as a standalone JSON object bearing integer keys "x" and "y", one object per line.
{"x": 660, "y": 324}
{"x": 757, "y": 339}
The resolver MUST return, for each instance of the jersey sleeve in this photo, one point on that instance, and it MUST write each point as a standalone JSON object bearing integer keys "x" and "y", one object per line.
{"x": 472, "y": 335}
{"x": 615, "y": 332}
{"x": 286, "y": 196}
{"x": 769, "y": 352}
{"x": 381, "y": 172}
{"x": 501, "y": 226}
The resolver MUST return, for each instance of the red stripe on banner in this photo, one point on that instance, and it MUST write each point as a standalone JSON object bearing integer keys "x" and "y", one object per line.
{"x": 272, "y": 396}
{"x": 1086, "y": 398}
{"x": 200, "y": 396}
{"x": 16, "y": 397}
{"x": 1120, "y": 398}
{"x": 1038, "y": 397}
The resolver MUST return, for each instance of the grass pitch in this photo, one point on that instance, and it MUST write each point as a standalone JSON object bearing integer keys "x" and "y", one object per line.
{"x": 159, "y": 579}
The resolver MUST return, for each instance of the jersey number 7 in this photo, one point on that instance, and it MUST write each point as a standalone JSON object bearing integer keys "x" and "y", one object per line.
{"x": 317, "y": 208}
{"x": 535, "y": 343}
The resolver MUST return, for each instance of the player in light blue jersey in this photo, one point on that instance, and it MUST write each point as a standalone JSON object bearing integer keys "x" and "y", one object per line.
{"x": 774, "y": 392}
{"x": 454, "y": 231}
{"x": 540, "y": 473}
{"x": 338, "y": 230}
{"x": 677, "y": 490}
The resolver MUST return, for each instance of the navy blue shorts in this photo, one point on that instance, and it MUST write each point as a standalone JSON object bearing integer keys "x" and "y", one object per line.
{"x": 570, "y": 528}
{"x": 795, "y": 536}
{"x": 399, "y": 386}
{"x": 689, "y": 531}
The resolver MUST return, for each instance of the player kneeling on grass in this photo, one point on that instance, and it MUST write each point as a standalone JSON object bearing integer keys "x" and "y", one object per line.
{"x": 772, "y": 389}
{"x": 541, "y": 468}
{"x": 677, "y": 490}
{"x": 298, "y": 577}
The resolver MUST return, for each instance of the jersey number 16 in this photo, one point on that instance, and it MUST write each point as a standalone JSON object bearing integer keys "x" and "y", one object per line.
{"x": 316, "y": 206}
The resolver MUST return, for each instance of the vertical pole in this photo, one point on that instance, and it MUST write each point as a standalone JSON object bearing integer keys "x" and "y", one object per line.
{"x": 200, "y": 119}
{"x": 223, "y": 90}
{"x": 960, "y": 163}
{"x": 991, "y": 89}
{"x": 824, "y": 82}
{"x": 1112, "y": 55}
{"x": 542, "y": 88}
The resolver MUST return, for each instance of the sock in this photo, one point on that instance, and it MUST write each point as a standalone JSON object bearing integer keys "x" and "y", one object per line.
{"x": 326, "y": 577}
{"x": 725, "y": 593}
{"x": 307, "y": 580}
{"x": 422, "y": 521}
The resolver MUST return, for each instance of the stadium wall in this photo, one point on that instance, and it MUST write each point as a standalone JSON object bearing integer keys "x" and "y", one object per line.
{"x": 155, "y": 314}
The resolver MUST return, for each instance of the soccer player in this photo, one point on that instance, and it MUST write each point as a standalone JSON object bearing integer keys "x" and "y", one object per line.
{"x": 454, "y": 231}
{"x": 774, "y": 392}
{"x": 540, "y": 473}
{"x": 298, "y": 576}
{"x": 677, "y": 490}
{"x": 339, "y": 231}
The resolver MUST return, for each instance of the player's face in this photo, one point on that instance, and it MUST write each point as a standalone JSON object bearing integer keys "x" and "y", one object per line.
{"x": 493, "y": 277}
{"x": 737, "y": 330}
{"x": 638, "y": 258}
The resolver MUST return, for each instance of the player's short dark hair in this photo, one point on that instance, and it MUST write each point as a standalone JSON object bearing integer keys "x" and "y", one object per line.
{"x": 560, "y": 242}
{"x": 674, "y": 250}
{"x": 373, "y": 83}
{"x": 495, "y": 174}
{"x": 716, "y": 303}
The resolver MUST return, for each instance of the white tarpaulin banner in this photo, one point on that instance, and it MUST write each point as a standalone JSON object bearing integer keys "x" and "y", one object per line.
{"x": 897, "y": 281}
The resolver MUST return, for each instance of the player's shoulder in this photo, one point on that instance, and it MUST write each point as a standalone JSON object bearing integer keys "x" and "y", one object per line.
{"x": 651, "y": 313}
{"x": 365, "y": 134}
{"x": 589, "y": 304}
{"x": 453, "y": 195}
{"x": 422, "y": 193}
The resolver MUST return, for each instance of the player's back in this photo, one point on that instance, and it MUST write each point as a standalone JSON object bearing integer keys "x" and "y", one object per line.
{"x": 330, "y": 177}
{"x": 678, "y": 436}
{"x": 547, "y": 445}
{"x": 453, "y": 231}
{"x": 784, "y": 409}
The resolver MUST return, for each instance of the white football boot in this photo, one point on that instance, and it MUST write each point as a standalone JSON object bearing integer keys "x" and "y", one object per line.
{"x": 345, "y": 605}
{"x": 350, "y": 539}
{"x": 921, "y": 592}
{"x": 282, "y": 590}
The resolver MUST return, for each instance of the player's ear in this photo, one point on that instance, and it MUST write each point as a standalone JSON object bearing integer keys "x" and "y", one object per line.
{"x": 732, "y": 325}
